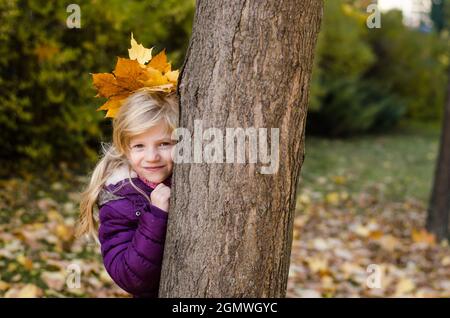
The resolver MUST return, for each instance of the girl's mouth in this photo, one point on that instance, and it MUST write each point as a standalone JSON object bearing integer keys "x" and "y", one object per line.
{"x": 153, "y": 169}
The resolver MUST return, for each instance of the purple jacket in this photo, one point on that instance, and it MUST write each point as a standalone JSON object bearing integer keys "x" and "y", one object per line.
{"x": 132, "y": 234}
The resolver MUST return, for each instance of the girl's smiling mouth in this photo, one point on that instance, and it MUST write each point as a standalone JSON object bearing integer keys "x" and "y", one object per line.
{"x": 153, "y": 168}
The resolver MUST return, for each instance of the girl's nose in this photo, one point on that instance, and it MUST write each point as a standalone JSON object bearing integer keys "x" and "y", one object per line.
{"x": 152, "y": 155}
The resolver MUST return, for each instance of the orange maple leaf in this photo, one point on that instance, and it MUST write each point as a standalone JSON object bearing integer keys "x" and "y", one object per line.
{"x": 159, "y": 62}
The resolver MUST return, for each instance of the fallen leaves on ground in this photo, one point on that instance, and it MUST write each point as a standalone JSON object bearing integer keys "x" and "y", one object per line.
{"x": 344, "y": 245}
{"x": 359, "y": 246}
{"x": 38, "y": 254}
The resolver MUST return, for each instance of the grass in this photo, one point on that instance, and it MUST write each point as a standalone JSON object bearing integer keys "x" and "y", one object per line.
{"x": 398, "y": 165}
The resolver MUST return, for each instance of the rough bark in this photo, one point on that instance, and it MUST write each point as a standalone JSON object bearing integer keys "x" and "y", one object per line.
{"x": 439, "y": 207}
{"x": 230, "y": 227}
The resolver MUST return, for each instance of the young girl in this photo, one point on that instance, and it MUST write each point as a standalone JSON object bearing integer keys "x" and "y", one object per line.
{"x": 131, "y": 187}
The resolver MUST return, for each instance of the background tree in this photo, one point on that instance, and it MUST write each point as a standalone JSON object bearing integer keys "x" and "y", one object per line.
{"x": 230, "y": 230}
{"x": 439, "y": 207}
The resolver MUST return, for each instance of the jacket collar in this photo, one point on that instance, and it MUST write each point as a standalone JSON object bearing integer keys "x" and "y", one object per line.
{"x": 119, "y": 174}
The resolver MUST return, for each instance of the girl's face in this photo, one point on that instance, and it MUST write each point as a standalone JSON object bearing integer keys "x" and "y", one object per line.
{"x": 150, "y": 153}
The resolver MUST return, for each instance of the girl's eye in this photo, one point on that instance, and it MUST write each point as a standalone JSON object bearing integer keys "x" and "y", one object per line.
{"x": 138, "y": 146}
{"x": 164, "y": 144}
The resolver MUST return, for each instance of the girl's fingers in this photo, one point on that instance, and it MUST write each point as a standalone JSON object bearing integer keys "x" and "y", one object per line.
{"x": 161, "y": 186}
{"x": 161, "y": 192}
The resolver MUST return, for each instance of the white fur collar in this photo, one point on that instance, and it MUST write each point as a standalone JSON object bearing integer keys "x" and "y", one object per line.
{"x": 119, "y": 174}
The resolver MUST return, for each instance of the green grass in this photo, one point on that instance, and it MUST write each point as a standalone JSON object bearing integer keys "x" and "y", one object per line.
{"x": 397, "y": 165}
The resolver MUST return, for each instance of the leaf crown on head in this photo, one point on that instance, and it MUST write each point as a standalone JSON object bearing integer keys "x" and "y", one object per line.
{"x": 139, "y": 71}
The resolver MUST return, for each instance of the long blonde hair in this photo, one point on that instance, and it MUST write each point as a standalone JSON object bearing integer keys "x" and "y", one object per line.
{"x": 141, "y": 111}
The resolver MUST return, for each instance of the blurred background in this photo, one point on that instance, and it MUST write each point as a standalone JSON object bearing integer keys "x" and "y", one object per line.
{"x": 374, "y": 121}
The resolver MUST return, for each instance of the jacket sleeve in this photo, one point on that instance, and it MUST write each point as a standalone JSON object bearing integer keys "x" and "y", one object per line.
{"x": 132, "y": 249}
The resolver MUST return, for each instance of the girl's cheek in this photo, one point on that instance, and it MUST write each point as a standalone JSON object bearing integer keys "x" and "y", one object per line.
{"x": 137, "y": 157}
{"x": 167, "y": 154}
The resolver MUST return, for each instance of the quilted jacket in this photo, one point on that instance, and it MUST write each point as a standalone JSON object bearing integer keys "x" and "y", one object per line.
{"x": 132, "y": 234}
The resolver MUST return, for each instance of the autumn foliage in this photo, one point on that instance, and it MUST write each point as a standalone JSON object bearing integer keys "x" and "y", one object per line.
{"x": 129, "y": 75}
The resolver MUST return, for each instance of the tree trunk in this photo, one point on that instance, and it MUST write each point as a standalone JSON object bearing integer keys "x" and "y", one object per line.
{"x": 439, "y": 208}
{"x": 230, "y": 227}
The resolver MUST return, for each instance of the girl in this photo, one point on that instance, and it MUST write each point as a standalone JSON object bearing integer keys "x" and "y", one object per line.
{"x": 131, "y": 187}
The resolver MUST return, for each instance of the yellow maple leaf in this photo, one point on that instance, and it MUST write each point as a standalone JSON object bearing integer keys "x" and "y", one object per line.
{"x": 318, "y": 265}
{"x": 27, "y": 291}
{"x": 332, "y": 198}
{"x": 139, "y": 52}
{"x": 64, "y": 232}
{"x": 25, "y": 262}
{"x": 404, "y": 286}
{"x": 167, "y": 88}
{"x": 114, "y": 102}
{"x": 172, "y": 76}
{"x": 422, "y": 236}
{"x": 4, "y": 285}
{"x": 112, "y": 112}
{"x": 339, "y": 180}
{"x": 155, "y": 78}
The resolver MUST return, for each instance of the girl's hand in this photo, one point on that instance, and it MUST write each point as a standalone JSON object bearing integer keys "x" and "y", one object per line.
{"x": 160, "y": 197}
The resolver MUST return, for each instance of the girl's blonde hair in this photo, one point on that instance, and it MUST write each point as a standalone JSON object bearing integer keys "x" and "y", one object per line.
{"x": 141, "y": 111}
